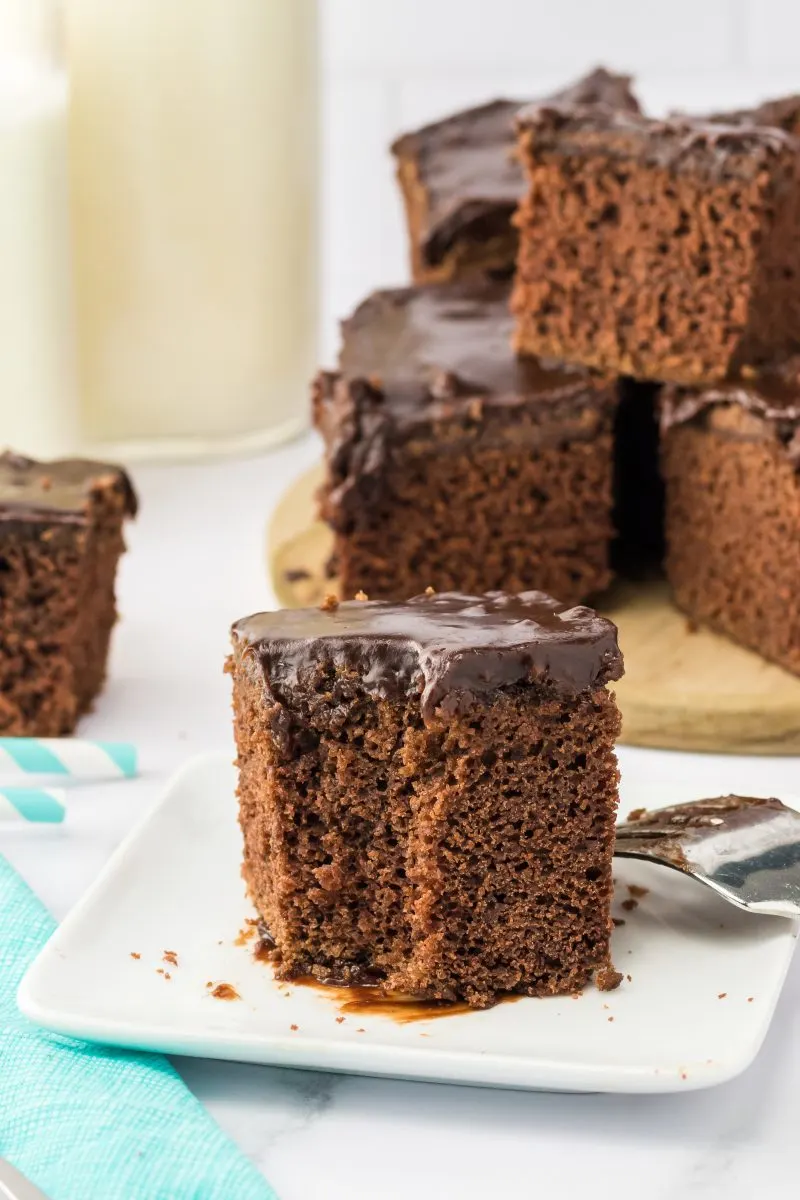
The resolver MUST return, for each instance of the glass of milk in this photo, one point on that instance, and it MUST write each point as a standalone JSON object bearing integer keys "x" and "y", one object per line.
{"x": 39, "y": 413}
{"x": 194, "y": 156}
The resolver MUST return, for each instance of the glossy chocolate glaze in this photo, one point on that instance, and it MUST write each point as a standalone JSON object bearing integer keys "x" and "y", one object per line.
{"x": 468, "y": 166}
{"x": 768, "y": 401}
{"x": 677, "y": 144}
{"x": 444, "y": 648}
{"x": 782, "y": 113}
{"x": 436, "y": 362}
{"x": 431, "y": 345}
{"x": 55, "y": 492}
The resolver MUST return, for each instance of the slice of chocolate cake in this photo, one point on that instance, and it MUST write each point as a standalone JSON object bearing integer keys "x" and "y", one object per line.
{"x": 453, "y": 464}
{"x": 730, "y": 457}
{"x": 60, "y": 541}
{"x": 428, "y": 792}
{"x": 461, "y": 183}
{"x": 664, "y": 250}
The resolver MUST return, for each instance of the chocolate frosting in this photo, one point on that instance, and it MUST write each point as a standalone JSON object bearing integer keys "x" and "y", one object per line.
{"x": 782, "y": 113}
{"x": 468, "y": 165}
{"x": 768, "y": 404}
{"x": 55, "y": 492}
{"x": 678, "y": 143}
{"x": 444, "y": 648}
{"x": 436, "y": 361}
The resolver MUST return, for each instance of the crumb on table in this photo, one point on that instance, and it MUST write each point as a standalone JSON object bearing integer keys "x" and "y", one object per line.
{"x": 225, "y": 991}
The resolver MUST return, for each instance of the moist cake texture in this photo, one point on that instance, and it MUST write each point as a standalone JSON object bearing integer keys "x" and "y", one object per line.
{"x": 461, "y": 183}
{"x": 730, "y": 458}
{"x": 60, "y": 541}
{"x": 428, "y": 791}
{"x": 663, "y": 250}
{"x": 450, "y": 463}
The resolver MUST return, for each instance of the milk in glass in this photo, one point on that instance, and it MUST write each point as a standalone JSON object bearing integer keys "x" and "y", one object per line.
{"x": 194, "y": 160}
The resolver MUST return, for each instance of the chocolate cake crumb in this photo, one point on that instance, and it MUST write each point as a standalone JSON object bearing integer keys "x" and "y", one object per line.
{"x": 629, "y": 978}
{"x": 722, "y": 995}
{"x": 750, "y": 999}
{"x": 339, "y": 1020}
{"x": 636, "y": 890}
{"x": 225, "y": 991}
{"x": 629, "y": 905}
{"x": 135, "y": 955}
{"x": 607, "y": 979}
{"x": 636, "y": 814}
{"x": 618, "y": 921}
{"x": 610, "y": 1019}
{"x": 294, "y": 1028}
{"x": 330, "y": 603}
{"x": 170, "y": 957}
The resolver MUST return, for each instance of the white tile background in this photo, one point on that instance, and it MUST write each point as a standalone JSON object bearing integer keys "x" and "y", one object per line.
{"x": 390, "y": 65}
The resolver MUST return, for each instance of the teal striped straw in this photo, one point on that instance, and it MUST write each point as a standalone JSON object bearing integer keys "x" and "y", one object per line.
{"x": 76, "y": 758}
{"x": 38, "y": 806}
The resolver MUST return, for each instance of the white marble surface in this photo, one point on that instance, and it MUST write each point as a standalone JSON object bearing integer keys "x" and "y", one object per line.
{"x": 196, "y": 562}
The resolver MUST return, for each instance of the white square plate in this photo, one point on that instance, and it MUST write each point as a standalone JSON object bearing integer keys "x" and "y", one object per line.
{"x": 704, "y": 977}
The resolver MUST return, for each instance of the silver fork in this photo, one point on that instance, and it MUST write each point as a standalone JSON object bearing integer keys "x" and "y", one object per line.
{"x": 745, "y": 849}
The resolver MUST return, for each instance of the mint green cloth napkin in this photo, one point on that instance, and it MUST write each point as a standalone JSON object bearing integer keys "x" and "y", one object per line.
{"x": 88, "y": 1123}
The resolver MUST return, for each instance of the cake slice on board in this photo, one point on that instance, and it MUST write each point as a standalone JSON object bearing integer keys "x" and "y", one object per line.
{"x": 665, "y": 250}
{"x": 731, "y": 455}
{"x": 451, "y": 463}
{"x": 461, "y": 183}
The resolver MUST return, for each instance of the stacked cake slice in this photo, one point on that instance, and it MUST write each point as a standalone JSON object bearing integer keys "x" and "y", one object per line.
{"x": 647, "y": 252}
{"x": 670, "y": 251}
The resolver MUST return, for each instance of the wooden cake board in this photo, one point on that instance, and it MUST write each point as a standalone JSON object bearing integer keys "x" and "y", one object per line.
{"x": 682, "y": 690}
